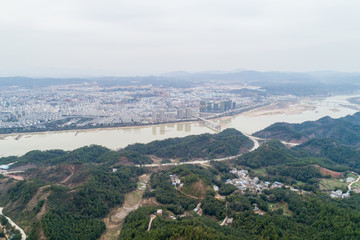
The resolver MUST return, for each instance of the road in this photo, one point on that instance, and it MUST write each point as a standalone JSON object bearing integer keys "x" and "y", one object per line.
{"x": 252, "y": 138}
{"x": 290, "y": 144}
{"x": 349, "y": 186}
{"x": 256, "y": 146}
{"x": 23, "y": 235}
{"x": 152, "y": 217}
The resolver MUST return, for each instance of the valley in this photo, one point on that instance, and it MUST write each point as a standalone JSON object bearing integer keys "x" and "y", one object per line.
{"x": 225, "y": 184}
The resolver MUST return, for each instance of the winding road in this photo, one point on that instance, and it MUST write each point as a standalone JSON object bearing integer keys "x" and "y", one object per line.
{"x": 23, "y": 235}
{"x": 256, "y": 146}
{"x": 349, "y": 186}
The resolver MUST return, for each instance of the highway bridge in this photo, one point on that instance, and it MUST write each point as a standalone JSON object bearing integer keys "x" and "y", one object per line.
{"x": 213, "y": 126}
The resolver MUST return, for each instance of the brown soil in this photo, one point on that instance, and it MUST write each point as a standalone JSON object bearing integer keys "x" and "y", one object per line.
{"x": 5, "y": 185}
{"x": 40, "y": 195}
{"x": 123, "y": 161}
{"x": 149, "y": 202}
{"x": 302, "y": 140}
{"x": 280, "y": 108}
{"x": 41, "y": 213}
{"x": 71, "y": 168}
{"x": 218, "y": 196}
{"x": 197, "y": 190}
{"x": 116, "y": 217}
{"x": 24, "y": 167}
{"x": 16, "y": 177}
{"x": 155, "y": 159}
{"x": 326, "y": 172}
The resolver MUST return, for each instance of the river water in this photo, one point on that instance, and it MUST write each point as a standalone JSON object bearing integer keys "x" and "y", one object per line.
{"x": 115, "y": 138}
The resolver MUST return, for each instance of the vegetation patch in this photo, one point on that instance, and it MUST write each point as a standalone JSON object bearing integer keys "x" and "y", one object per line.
{"x": 207, "y": 146}
{"x": 196, "y": 189}
{"x": 332, "y": 184}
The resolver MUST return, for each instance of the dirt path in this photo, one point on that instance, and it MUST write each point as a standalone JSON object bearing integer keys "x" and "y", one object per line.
{"x": 191, "y": 196}
{"x": 72, "y": 170}
{"x": 116, "y": 217}
{"x": 152, "y": 217}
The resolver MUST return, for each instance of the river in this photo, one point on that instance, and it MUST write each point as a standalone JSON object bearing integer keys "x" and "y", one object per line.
{"x": 115, "y": 138}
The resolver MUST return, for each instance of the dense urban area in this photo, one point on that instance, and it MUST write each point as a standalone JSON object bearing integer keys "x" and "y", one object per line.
{"x": 79, "y": 106}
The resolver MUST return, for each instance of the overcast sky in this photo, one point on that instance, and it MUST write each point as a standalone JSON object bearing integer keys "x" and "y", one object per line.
{"x": 140, "y": 37}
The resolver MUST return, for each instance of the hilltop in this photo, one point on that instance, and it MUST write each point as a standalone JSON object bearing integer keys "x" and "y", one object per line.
{"x": 346, "y": 130}
{"x": 207, "y": 146}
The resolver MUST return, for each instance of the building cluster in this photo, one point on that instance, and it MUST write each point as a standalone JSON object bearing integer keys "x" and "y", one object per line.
{"x": 244, "y": 182}
{"x": 216, "y": 107}
{"x": 162, "y": 115}
{"x": 4, "y": 169}
{"x": 91, "y": 105}
{"x": 339, "y": 194}
{"x": 227, "y": 221}
{"x": 175, "y": 180}
{"x": 198, "y": 209}
{"x": 257, "y": 210}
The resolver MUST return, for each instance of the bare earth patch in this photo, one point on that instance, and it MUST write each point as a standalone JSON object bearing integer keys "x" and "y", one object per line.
{"x": 16, "y": 177}
{"x": 325, "y": 172}
{"x": 280, "y": 108}
{"x": 71, "y": 168}
{"x": 116, "y": 217}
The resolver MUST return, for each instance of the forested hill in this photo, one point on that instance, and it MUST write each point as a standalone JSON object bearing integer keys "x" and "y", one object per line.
{"x": 269, "y": 154}
{"x": 226, "y": 143}
{"x": 273, "y": 192}
{"x": 88, "y": 154}
{"x": 345, "y": 130}
{"x": 331, "y": 149}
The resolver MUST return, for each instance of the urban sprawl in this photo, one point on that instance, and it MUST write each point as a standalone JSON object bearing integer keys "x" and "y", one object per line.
{"x": 86, "y": 105}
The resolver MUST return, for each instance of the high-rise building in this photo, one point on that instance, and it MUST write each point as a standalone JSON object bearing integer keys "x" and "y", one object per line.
{"x": 222, "y": 106}
{"x": 216, "y": 107}
{"x": 171, "y": 116}
{"x": 154, "y": 115}
{"x": 202, "y": 106}
{"x": 180, "y": 113}
{"x": 228, "y": 105}
{"x": 161, "y": 114}
{"x": 209, "y": 107}
{"x": 188, "y": 113}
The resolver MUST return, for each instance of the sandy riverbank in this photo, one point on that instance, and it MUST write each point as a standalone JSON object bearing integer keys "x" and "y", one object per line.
{"x": 287, "y": 108}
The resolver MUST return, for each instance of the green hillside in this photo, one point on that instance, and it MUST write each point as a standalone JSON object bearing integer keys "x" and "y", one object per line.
{"x": 345, "y": 130}
{"x": 226, "y": 143}
{"x": 331, "y": 149}
{"x": 280, "y": 192}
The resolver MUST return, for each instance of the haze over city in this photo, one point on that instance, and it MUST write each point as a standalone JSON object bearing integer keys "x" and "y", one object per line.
{"x": 186, "y": 120}
{"x": 121, "y": 38}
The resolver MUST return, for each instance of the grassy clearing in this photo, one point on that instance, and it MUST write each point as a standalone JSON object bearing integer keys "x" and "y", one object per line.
{"x": 352, "y": 175}
{"x": 197, "y": 189}
{"x": 283, "y": 206}
{"x": 259, "y": 171}
{"x": 330, "y": 184}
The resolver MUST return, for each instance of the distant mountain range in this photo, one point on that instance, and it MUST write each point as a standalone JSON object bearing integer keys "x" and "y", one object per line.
{"x": 278, "y": 83}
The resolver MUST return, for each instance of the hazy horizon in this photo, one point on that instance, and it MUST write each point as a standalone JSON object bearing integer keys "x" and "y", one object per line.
{"x": 171, "y": 74}
{"x": 140, "y": 38}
